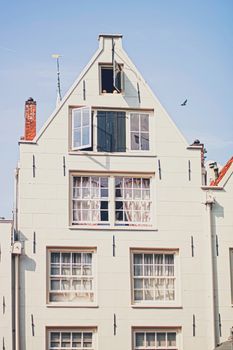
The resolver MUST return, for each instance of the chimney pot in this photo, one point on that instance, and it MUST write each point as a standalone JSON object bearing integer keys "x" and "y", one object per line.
{"x": 30, "y": 119}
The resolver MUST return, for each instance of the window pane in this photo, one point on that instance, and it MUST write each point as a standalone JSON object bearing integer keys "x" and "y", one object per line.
{"x": 148, "y": 259}
{"x": 140, "y": 339}
{"x": 138, "y": 295}
{"x": 55, "y": 257}
{"x": 65, "y": 258}
{"x": 171, "y": 339}
{"x": 54, "y": 340}
{"x": 150, "y": 339}
{"x": 161, "y": 339}
{"x": 77, "y": 138}
{"x": 85, "y": 139}
{"x": 86, "y": 117}
{"x": 137, "y": 258}
{"x": 65, "y": 340}
{"x": 144, "y": 141}
{"x": 77, "y": 118}
{"x": 134, "y": 122}
{"x": 55, "y": 285}
{"x": 135, "y": 141}
{"x": 138, "y": 283}
{"x": 76, "y": 258}
{"x": 144, "y": 120}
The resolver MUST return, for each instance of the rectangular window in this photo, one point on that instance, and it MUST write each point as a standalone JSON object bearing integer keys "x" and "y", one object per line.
{"x": 139, "y": 131}
{"x": 71, "y": 339}
{"x": 109, "y": 130}
{"x": 111, "y": 200}
{"x": 155, "y": 339}
{"x": 81, "y": 128}
{"x": 90, "y": 199}
{"x": 132, "y": 200}
{"x": 71, "y": 277}
{"x": 111, "y": 136}
{"x": 154, "y": 277}
{"x": 111, "y": 78}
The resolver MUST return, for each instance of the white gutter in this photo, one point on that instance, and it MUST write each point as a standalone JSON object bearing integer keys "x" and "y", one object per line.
{"x": 16, "y": 257}
{"x": 214, "y": 339}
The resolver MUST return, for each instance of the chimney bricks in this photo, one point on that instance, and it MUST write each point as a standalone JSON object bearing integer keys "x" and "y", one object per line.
{"x": 30, "y": 119}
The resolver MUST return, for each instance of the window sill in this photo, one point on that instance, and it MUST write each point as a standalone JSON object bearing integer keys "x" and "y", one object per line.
{"x": 71, "y": 305}
{"x": 156, "y": 306}
{"x": 113, "y": 228}
{"x": 114, "y": 154}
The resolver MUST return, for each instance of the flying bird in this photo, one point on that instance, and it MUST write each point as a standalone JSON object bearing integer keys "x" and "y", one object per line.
{"x": 184, "y": 103}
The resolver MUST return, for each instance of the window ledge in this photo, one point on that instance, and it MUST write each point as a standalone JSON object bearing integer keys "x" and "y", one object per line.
{"x": 156, "y": 306}
{"x": 115, "y": 228}
{"x": 71, "y": 305}
{"x": 114, "y": 154}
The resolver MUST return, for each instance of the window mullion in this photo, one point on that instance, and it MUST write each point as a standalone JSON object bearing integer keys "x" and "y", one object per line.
{"x": 111, "y": 199}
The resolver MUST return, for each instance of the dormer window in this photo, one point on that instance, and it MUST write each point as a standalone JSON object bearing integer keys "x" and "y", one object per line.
{"x": 111, "y": 78}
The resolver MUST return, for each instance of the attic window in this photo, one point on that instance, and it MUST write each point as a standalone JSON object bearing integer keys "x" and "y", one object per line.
{"x": 111, "y": 78}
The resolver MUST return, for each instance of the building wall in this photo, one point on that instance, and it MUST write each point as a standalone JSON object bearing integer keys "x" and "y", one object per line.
{"x": 178, "y": 215}
{"x": 5, "y": 284}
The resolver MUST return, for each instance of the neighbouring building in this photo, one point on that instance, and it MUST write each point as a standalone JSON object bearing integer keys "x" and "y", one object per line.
{"x": 117, "y": 240}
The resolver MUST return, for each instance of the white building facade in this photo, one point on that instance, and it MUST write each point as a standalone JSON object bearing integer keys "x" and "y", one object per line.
{"x": 114, "y": 222}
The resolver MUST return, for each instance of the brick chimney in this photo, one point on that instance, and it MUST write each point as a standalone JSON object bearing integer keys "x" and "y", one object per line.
{"x": 30, "y": 119}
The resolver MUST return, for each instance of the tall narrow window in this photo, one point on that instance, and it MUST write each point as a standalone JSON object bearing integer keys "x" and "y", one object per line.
{"x": 139, "y": 131}
{"x": 155, "y": 339}
{"x": 153, "y": 277}
{"x": 71, "y": 276}
{"x": 132, "y": 200}
{"x": 81, "y": 339}
{"x": 90, "y": 200}
{"x": 81, "y": 128}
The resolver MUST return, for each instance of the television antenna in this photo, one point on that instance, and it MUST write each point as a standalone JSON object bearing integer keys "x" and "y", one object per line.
{"x": 57, "y": 56}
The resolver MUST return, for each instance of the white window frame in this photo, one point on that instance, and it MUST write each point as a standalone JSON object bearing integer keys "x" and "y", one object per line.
{"x": 157, "y": 303}
{"x": 111, "y": 66}
{"x": 72, "y": 330}
{"x": 82, "y": 109}
{"x": 91, "y": 200}
{"x": 112, "y": 223}
{"x": 140, "y": 113}
{"x": 77, "y": 302}
{"x": 156, "y": 330}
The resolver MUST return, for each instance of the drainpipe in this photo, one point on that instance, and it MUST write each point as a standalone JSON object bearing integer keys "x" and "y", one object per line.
{"x": 16, "y": 252}
{"x": 210, "y": 200}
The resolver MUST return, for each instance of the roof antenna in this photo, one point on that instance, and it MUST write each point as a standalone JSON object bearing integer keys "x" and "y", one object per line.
{"x": 58, "y": 79}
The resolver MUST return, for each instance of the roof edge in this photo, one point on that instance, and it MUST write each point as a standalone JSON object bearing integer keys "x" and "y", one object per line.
{"x": 67, "y": 95}
{"x": 222, "y": 173}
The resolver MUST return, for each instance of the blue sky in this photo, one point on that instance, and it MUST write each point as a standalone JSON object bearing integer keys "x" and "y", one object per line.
{"x": 184, "y": 49}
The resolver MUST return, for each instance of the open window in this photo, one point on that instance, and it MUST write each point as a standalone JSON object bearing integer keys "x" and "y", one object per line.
{"x": 81, "y": 128}
{"x": 111, "y": 78}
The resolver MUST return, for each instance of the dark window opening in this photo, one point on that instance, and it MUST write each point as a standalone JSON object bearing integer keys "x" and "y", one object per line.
{"x": 107, "y": 79}
{"x": 111, "y": 79}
